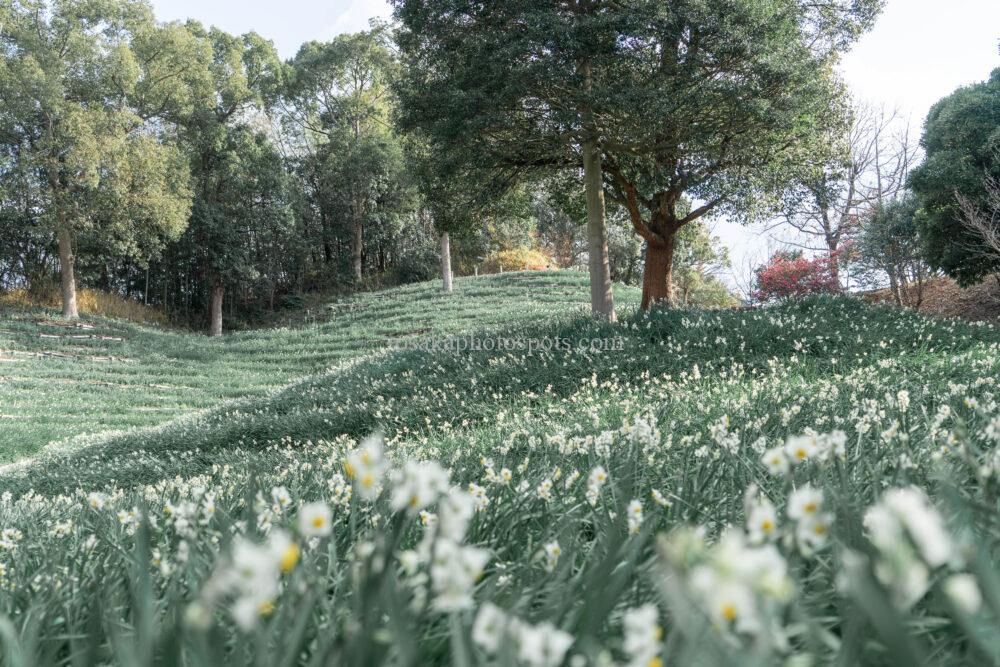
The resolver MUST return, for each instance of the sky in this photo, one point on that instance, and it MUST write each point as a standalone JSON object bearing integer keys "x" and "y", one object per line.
{"x": 918, "y": 52}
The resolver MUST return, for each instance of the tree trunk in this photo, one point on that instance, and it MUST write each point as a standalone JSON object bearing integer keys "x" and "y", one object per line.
{"x": 218, "y": 291}
{"x": 446, "y": 261}
{"x": 67, "y": 277}
{"x": 657, "y": 277}
{"x": 602, "y": 299}
{"x": 834, "y": 259}
{"x": 894, "y": 286}
{"x": 357, "y": 246}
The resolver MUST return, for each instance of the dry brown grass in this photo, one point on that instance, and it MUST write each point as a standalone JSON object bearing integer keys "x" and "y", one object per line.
{"x": 88, "y": 301}
{"x": 944, "y": 298}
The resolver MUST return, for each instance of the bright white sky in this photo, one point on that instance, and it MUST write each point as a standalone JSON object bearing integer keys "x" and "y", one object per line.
{"x": 919, "y": 51}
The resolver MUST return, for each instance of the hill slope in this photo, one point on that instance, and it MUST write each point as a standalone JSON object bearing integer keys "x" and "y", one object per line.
{"x": 59, "y": 381}
{"x": 269, "y": 531}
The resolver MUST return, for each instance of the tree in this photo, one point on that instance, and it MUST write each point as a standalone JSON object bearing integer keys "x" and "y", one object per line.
{"x": 507, "y": 92}
{"x": 676, "y": 97}
{"x": 697, "y": 255}
{"x": 866, "y": 166}
{"x": 890, "y": 243}
{"x": 704, "y": 112}
{"x": 962, "y": 150}
{"x": 339, "y": 97}
{"x": 790, "y": 274}
{"x": 238, "y": 76}
{"x": 983, "y": 222}
{"x": 83, "y": 85}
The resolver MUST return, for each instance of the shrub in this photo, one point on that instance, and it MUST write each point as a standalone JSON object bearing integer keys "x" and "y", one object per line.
{"x": 790, "y": 275}
{"x": 517, "y": 259}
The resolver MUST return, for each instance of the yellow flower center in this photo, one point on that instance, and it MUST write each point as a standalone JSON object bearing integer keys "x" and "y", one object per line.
{"x": 810, "y": 508}
{"x": 266, "y": 608}
{"x": 729, "y": 612}
{"x": 655, "y": 662}
{"x": 368, "y": 480}
{"x": 290, "y": 558}
{"x": 318, "y": 522}
{"x": 767, "y": 525}
{"x": 819, "y": 529}
{"x": 801, "y": 453}
{"x": 348, "y": 469}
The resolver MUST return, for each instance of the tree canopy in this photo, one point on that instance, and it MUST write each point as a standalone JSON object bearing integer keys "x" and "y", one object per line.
{"x": 962, "y": 145}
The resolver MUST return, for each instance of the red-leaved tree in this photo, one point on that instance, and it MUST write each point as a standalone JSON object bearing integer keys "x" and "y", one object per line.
{"x": 790, "y": 274}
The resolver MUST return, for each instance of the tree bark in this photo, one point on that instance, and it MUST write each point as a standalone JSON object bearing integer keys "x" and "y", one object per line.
{"x": 894, "y": 286}
{"x": 446, "y": 262}
{"x": 218, "y": 291}
{"x": 357, "y": 246}
{"x": 67, "y": 277}
{"x": 657, "y": 277}
{"x": 602, "y": 299}
{"x": 834, "y": 260}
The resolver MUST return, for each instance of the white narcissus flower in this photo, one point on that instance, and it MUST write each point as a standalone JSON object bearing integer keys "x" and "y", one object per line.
{"x": 964, "y": 593}
{"x": 282, "y": 499}
{"x": 643, "y": 634}
{"x": 315, "y": 520}
{"x": 762, "y": 524}
{"x": 454, "y": 513}
{"x": 552, "y": 551}
{"x": 595, "y": 482}
{"x": 418, "y": 484}
{"x": 776, "y": 461}
{"x": 454, "y": 572}
{"x": 812, "y": 532}
{"x": 805, "y": 502}
{"x": 800, "y": 448}
{"x": 923, "y": 522}
{"x": 542, "y": 645}
{"x": 365, "y": 466}
{"x": 634, "y": 513}
{"x": 96, "y": 500}
{"x": 489, "y": 628}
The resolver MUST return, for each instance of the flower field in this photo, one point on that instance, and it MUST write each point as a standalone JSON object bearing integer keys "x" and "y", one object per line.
{"x": 812, "y": 483}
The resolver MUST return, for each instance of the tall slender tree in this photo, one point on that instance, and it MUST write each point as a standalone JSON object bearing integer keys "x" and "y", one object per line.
{"x": 241, "y": 76}
{"x": 339, "y": 98}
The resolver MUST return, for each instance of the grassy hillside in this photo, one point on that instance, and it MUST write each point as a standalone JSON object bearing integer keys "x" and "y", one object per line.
{"x": 58, "y": 382}
{"x": 762, "y": 446}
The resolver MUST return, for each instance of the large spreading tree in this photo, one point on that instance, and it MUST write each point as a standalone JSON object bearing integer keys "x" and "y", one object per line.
{"x": 962, "y": 144}
{"x": 719, "y": 101}
{"x": 83, "y": 87}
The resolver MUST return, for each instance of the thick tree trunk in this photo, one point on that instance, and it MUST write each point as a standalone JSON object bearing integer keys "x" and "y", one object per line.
{"x": 446, "y": 262}
{"x": 357, "y": 247}
{"x": 602, "y": 299}
{"x": 218, "y": 291}
{"x": 67, "y": 277}
{"x": 657, "y": 277}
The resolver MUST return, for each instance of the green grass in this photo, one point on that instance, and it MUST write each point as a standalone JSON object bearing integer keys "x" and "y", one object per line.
{"x": 58, "y": 382}
{"x": 684, "y": 406}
